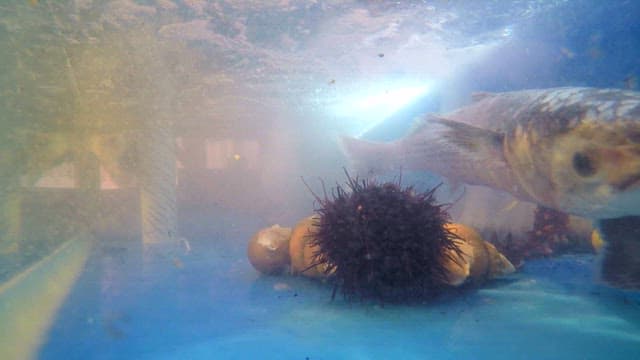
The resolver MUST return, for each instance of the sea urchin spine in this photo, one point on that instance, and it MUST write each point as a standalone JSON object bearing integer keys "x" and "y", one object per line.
{"x": 383, "y": 241}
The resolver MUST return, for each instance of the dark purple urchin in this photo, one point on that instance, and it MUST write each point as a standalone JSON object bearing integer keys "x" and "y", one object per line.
{"x": 383, "y": 241}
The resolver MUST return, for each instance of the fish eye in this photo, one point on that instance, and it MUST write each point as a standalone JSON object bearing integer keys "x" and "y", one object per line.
{"x": 583, "y": 165}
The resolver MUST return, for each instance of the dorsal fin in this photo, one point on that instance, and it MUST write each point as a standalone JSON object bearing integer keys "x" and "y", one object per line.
{"x": 481, "y": 95}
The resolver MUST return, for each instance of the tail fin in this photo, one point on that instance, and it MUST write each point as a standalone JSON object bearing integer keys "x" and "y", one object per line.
{"x": 367, "y": 157}
{"x": 621, "y": 262}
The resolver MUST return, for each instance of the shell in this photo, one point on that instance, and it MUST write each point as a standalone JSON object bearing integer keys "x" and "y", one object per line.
{"x": 480, "y": 260}
{"x": 302, "y": 252}
{"x": 268, "y": 250}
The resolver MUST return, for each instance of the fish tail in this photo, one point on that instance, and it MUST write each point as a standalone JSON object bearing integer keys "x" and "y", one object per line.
{"x": 621, "y": 261}
{"x": 368, "y": 157}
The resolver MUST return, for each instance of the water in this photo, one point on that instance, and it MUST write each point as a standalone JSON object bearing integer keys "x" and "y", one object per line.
{"x": 143, "y": 143}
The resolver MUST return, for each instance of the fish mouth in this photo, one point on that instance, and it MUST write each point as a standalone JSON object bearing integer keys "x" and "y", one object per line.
{"x": 627, "y": 183}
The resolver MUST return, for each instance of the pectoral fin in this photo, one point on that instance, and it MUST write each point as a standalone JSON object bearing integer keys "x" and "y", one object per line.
{"x": 476, "y": 140}
{"x": 471, "y": 154}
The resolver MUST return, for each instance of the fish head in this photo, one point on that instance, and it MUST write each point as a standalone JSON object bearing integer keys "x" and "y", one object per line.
{"x": 595, "y": 169}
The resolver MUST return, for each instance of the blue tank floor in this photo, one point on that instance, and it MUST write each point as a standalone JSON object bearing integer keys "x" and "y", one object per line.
{"x": 214, "y": 305}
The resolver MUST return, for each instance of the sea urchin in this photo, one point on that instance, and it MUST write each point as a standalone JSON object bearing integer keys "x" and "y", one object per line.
{"x": 382, "y": 241}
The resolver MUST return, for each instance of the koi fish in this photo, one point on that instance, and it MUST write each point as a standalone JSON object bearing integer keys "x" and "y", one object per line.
{"x": 572, "y": 149}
